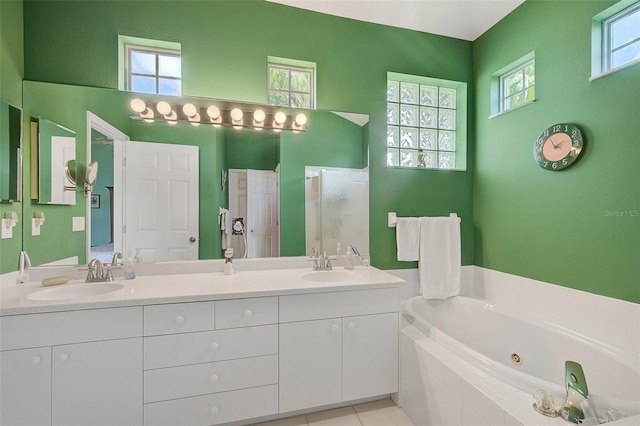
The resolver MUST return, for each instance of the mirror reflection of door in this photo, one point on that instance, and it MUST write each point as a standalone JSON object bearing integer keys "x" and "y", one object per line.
{"x": 161, "y": 201}
{"x": 253, "y": 196}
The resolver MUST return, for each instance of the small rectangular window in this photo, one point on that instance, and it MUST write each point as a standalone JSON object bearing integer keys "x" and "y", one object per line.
{"x": 291, "y": 86}
{"x": 517, "y": 86}
{"x": 621, "y": 38}
{"x": 152, "y": 70}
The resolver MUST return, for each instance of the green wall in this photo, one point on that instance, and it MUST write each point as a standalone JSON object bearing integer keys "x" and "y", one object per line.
{"x": 11, "y": 76}
{"x": 579, "y": 227}
{"x": 225, "y": 45}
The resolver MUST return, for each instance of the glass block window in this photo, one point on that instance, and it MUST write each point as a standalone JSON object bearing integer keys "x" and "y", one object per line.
{"x": 150, "y": 70}
{"x": 621, "y": 38}
{"x": 291, "y": 86}
{"x": 422, "y": 123}
{"x": 517, "y": 86}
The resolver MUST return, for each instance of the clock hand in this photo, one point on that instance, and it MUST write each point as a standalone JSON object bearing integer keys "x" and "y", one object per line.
{"x": 554, "y": 145}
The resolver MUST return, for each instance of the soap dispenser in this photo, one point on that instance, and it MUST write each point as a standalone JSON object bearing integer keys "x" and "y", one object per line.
{"x": 129, "y": 268}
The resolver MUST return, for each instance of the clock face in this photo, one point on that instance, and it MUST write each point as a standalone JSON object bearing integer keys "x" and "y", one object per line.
{"x": 558, "y": 146}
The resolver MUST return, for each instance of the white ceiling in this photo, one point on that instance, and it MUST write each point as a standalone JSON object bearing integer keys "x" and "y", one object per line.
{"x": 463, "y": 19}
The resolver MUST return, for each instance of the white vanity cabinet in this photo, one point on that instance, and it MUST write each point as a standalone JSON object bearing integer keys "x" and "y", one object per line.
{"x": 210, "y": 362}
{"x": 72, "y": 368}
{"x": 337, "y": 346}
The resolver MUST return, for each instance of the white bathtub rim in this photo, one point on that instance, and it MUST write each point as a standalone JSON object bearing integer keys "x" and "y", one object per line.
{"x": 514, "y": 378}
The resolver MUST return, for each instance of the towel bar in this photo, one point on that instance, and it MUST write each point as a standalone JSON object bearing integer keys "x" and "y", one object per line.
{"x": 392, "y": 218}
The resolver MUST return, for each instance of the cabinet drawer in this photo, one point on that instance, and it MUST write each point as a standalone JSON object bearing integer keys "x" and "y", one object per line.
{"x": 213, "y": 409}
{"x": 213, "y": 377}
{"x": 304, "y": 307}
{"x": 246, "y": 312}
{"x": 178, "y": 318}
{"x": 56, "y": 328}
{"x": 206, "y": 346}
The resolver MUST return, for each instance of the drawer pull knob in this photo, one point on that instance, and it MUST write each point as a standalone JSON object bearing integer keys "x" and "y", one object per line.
{"x": 179, "y": 319}
{"x": 214, "y": 346}
{"x": 214, "y": 377}
{"x": 64, "y": 357}
{"x": 248, "y": 313}
{"x": 351, "y": 326}
{"x": 334, "y": 327}
{"x": 36, "y": 359}
{"x": 215, "y": 410}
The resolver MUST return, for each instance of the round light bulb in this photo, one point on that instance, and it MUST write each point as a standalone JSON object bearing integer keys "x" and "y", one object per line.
{"x": 189, "y": 110}
{"x": 195, "y": 119}
{"x": 280, "y": 117}
{"x": 301, "y": 119}
{"x": 213, "y": 112}
{"x": 259, "y": 116}
{"x": 163, "y": 108}
{"x": 236, "y": 114}
{"x": 138, "y": 105}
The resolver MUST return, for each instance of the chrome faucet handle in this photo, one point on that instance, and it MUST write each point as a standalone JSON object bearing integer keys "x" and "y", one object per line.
{"x": 109, "y": 274}
{"x": 117, "y": 255}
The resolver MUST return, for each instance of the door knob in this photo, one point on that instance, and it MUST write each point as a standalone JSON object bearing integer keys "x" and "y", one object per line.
{"x": 192, "y": 239}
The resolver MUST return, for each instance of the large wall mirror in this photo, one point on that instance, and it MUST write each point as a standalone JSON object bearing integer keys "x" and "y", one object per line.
{"x": 10, "y": 152}
{"x": 334, "y": 140}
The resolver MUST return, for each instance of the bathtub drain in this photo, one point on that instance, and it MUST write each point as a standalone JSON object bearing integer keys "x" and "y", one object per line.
{"x": 515, "y": 358}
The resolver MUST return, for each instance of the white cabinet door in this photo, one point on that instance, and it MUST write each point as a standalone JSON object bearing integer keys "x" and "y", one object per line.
{"x": 97, "y": 383}
{"x": 25, "y": 387}
{"x": 310, "y": 364}
{"x": 370, "y": 356}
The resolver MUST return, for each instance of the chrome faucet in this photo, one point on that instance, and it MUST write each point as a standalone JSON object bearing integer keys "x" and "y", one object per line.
{"x": 578, "y": 407}
{"x": 24, "y": 263}
{"x": 321, "y": 262}
{"x": 114, "y": 261}
{"x": 99, "y": 272}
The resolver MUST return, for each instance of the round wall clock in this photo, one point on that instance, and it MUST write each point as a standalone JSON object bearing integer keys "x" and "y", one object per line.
{"x": 558, "y": 146}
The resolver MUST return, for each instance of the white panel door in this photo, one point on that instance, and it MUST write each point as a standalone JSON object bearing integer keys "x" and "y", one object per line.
{"x": 98, "y": 383}
{"x": 161, "y": 201}
{"x": 370, "y": 357}
{"x": 25, "y": 387}
{"x": 310, "y": 364}
{"x": 262, "y": 214}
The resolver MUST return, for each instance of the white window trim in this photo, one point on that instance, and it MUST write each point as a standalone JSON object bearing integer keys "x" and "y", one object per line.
{"x": 496, "y": 106}
{"x": 153, "y": 50}
{"x": 599, "y": 42}
{"x": 141, "y": 43}
{"x": 293, "y": 65}
{"x": 503, "y": 97}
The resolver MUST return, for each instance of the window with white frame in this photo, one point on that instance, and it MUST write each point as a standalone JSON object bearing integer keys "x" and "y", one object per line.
{"x": 621, "y": 38}
{"x": 153, "y": 70}
{"x": 517, "y": 86}
{"x": 291, "y": 85}
{"x": 426, "y": 123}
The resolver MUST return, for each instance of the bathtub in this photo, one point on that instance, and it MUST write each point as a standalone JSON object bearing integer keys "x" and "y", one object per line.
{"x": 512, "y": 358}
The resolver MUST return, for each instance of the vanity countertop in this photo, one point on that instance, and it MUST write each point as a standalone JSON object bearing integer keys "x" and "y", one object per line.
{"x": 171, "y": 288}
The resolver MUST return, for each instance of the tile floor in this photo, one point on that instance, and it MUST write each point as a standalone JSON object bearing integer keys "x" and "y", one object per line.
{"x": 376, "y": 413}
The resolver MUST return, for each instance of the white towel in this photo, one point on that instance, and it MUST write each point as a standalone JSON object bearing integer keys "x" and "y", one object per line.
{"x": 225, "y": 228}
{"x": 440, "y": 259}
{"x": 408, "y": 238}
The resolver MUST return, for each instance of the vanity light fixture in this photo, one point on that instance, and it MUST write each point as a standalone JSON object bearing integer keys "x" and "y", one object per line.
{"x": 236, "y": 118}
{"x": 218, "y": 113}
{"x": 215, "y": 116}
{"x": 164, "y": 108}
{"x": 258, "y": 119}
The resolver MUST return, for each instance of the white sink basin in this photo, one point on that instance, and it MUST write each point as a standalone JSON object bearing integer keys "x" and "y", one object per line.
{"x": 331, "y": 276}
{"x": 74, "y": 291}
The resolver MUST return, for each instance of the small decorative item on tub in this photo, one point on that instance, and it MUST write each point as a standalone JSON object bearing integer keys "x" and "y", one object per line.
{"x": 545, "y": 403}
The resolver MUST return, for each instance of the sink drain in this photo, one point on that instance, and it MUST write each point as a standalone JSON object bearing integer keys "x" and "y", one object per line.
{"x": 515, "y": 358}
